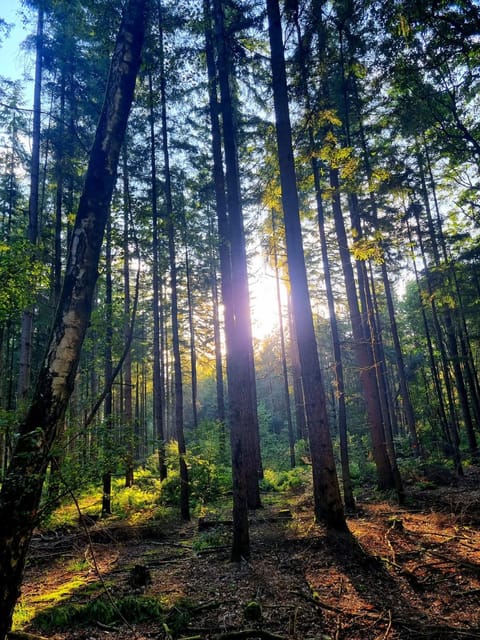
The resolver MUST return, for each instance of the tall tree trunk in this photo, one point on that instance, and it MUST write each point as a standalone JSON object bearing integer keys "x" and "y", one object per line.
{"x": 130, "y": 427}
{"x": 158, "y": 378}
{"x": 222, "y": 222}
{"x": 281, "y": 330}
{"x": 404, "y": 391}
{"x": 59, "y": 177}
{"x": 300, "y": 418}
{"x": 452, "y": 423}
{"x": 27, "y": 318}
{"x": 449, "y": 325}
{"x": 242, "y": 390}
{"x": 22, "y": 487}
{"x": 193, "y": 349}
{"x": 337, "y": 352}
{"x": 385, "y": 478}
{"x": 219, "y": 380}
{"x": 339, "y": 377}
{"x": 327, "y": 500}
{"x": 244, "y": 438}
{"x": 241, "y": 537}
{"x": 170, "y": 223}
{"x": 108, "y": 403}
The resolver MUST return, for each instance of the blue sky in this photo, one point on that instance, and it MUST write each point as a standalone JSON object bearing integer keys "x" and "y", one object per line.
{"x": 13, "y": 60}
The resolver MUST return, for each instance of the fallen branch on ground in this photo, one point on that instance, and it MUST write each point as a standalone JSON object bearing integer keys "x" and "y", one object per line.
{"x": 239, "y": 635}
{"x": 22, "y": 635}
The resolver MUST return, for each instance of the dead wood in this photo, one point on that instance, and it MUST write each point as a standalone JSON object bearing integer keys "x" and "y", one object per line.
{"x": 239, "y": 634}
{"x": 250, "y": 633}
{"x": 204, "y": 524}
{"x": 22, "y": 635}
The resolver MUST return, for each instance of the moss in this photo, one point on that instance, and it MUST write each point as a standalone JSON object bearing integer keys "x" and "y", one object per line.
{"x": 132, "y": 608}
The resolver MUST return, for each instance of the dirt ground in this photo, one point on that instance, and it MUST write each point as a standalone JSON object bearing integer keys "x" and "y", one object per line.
{"x": 407, "y": 573}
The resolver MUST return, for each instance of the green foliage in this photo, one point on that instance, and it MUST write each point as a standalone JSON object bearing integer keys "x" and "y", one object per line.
{"x": 22, "y": 615}
{"x": 216, "y": 537}
{"x": 208, "y": 481}
{"x": 293, "y": 479}
{"x": 21, "y": 275}
{"x": 274, "y": 441}
{"x": 206, "y": 441}
{"x": 130, "y": 501}
{"x": 132, "y": 608}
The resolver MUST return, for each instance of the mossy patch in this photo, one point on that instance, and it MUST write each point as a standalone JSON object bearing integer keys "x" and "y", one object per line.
{"x": 134, "y": 609}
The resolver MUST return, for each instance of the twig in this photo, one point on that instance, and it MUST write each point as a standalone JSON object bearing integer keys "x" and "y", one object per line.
{"x": 389, "y": 626}
{"x": 106, "y": 627}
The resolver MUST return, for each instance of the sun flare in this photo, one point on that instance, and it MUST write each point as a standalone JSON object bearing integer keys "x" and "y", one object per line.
{"x": 264, "y": 303}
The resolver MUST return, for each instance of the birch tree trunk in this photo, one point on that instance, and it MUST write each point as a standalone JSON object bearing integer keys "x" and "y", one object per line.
{"x": 21, "y": 491}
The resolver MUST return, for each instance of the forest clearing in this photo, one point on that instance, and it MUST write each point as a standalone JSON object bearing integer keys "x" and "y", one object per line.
{"x": 412, "y": 573}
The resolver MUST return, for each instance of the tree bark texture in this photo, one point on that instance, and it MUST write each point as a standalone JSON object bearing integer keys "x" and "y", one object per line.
{"x": 327, "y": 500}
{"x": 22, "y": 487}
{"x": 242, "y": 389}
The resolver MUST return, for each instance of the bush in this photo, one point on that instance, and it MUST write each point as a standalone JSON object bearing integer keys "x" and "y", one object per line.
{"x": 285, "y": 480}
{"x": 208, "y": 481}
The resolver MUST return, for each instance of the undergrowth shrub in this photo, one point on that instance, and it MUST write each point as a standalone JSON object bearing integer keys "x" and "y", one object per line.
{"x": 208, "y": 481}
{"x": 293, "y": 479}
{"x": 217, "y": 537}
{"x": 101, "y": 610}
{"x": 130, "y": 500}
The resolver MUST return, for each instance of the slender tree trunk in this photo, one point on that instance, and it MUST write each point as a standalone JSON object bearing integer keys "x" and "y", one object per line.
{"x": 300, "y": 418}
{"x": 453, "y": 421}
{"x": 170, "y": 222}
{"x": 404, "y": 391}
{"x": 450, "y": 329}
{"x": 59, "y": 176}
{"x": 22, "y": 487}
{"x": 131, "y": 428}
{"x": 241, "y": 538}
{"x": 27, "y": 318}
{"x": 337, "y": 352}
{"x": 219, "y": 381}
{"x": 158, "y": 378}
{"x": 193, "y": 349}
{"x": 450, "y": 426}
{"x": 385, "y": 479}
{"x": 221, "y": 210}
{"x": 108, "y": 403}
{"x": 327, "y": 499}
{"x": 463, "y": 335}
{"x": 281, "y": 330}
{"x": 54, "y": 479}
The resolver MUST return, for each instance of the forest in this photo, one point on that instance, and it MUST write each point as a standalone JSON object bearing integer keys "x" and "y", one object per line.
{"x": 239, "y": 321}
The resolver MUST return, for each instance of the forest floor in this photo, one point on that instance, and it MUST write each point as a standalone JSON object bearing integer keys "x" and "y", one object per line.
{"x": 410, "y": 572}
